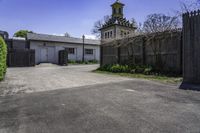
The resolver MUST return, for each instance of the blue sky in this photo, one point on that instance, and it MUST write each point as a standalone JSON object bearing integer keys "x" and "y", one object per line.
{"x": 76, "y": 17}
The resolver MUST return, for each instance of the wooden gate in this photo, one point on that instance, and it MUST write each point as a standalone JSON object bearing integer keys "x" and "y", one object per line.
{"x": 21, "y": 58}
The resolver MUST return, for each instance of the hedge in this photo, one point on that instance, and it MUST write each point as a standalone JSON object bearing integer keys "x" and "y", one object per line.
{"x": 3, "y": 56}
{"x": 135, "y": 69}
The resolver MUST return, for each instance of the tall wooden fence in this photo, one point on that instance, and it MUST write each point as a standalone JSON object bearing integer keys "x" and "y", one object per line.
{"x": 191, "y": 47}
{"x": 21, "y": 58}
{"x": 165, "y": 48}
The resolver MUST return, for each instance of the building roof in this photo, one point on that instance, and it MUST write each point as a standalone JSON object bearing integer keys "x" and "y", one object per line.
{"x": 18, "y": 38}
{"x": 63, "y": 39}
{"x": 4, "y": 34}
{"x": 118, "y": 21}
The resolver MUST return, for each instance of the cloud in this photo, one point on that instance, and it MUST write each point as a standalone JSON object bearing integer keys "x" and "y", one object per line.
{"x": 90, "y": 37}
{"x": 86, "y": 36}
{"x": 55, "y": 34}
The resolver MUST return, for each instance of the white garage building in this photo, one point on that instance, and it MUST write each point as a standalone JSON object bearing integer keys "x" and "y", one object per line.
{"x": 47, "y": 48}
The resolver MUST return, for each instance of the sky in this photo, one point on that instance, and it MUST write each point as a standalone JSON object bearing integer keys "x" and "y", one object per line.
{"x": 76, "y": 17}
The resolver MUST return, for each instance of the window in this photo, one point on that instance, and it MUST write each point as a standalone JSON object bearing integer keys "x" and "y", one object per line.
{"x": 89, "y": 51}
{"x": 114, "y": 11}
{"x": 122, "y": 33}
{"x": 120, "y": 11}
{"x": 105, "y": 35}
{"x": 110, "y": 34}
{"x": 70, "y": 50}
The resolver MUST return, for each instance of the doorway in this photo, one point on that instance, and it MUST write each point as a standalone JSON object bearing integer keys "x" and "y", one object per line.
{"x": 44, "y": 55}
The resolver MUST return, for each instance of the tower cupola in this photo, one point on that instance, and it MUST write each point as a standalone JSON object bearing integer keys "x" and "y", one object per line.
{"x": 117, "y": 9}
{"x": 117, "y": 27}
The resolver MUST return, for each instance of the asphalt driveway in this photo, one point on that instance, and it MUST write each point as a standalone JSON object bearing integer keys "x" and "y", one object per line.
{"x": 121, "y": 106}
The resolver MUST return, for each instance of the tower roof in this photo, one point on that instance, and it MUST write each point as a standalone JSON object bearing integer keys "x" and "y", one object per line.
{"x": 118, "y": 21}
{"x": 118, "y": 2}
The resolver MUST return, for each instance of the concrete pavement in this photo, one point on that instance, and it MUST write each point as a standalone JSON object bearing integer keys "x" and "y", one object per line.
{"x": 51, "y": 77}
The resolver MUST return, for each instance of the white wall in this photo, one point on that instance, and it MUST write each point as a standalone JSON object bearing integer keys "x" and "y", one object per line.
{"x": 77, "y": 56}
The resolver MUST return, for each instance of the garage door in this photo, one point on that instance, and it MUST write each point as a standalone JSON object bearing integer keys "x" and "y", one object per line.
{"x": 51, "y": 54}
{"x": 44, "y": 55}
{"x": 47, "y": 55}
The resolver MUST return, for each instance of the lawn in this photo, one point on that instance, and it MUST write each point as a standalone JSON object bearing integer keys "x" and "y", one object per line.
{"x": 163, "y": 79}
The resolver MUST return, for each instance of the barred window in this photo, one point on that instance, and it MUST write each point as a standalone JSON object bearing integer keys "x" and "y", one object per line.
{"x": 71, "y": 50}
{"x": 89, "y": 51}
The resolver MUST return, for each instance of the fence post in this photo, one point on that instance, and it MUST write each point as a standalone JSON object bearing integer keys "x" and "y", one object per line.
{"x": 191, "y": 51}
{"x": 143, "y": 51}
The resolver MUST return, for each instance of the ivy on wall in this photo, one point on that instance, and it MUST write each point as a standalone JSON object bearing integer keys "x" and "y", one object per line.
{"x": 3, "y": 56}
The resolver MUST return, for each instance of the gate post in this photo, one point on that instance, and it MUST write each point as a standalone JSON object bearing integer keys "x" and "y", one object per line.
{"x": 191, "y": 51}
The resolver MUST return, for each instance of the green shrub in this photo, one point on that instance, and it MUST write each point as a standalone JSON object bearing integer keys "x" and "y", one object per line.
{"x": 71, "y": 62}
{"x": 137, "y": 69}
{"x": 80, "y": 62}
{"x": 133, "y": 71}
{"x": 105, "y": 68}
{"x": 148, "y": 70}
{"x": 3, "y": 56}
{"x": 93, "y": 61}
{"x": 115, "y": 68}
{"x": 86, "y": 62}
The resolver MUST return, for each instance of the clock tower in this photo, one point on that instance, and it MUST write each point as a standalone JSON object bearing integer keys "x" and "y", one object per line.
{"x": 117, "y": 27}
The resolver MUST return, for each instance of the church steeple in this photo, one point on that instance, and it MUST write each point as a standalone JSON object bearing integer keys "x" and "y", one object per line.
{"x": 117, "y": 9}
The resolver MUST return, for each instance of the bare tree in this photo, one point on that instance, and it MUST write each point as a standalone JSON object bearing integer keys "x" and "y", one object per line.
{"x": 160, "y": 23}
{"x": 139, "y": 26}
{"x": 189, "y": 6}
{"x": 133, "y": 21}
{"x": 98, "y": 25}
{"x": 186, "y": 6}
